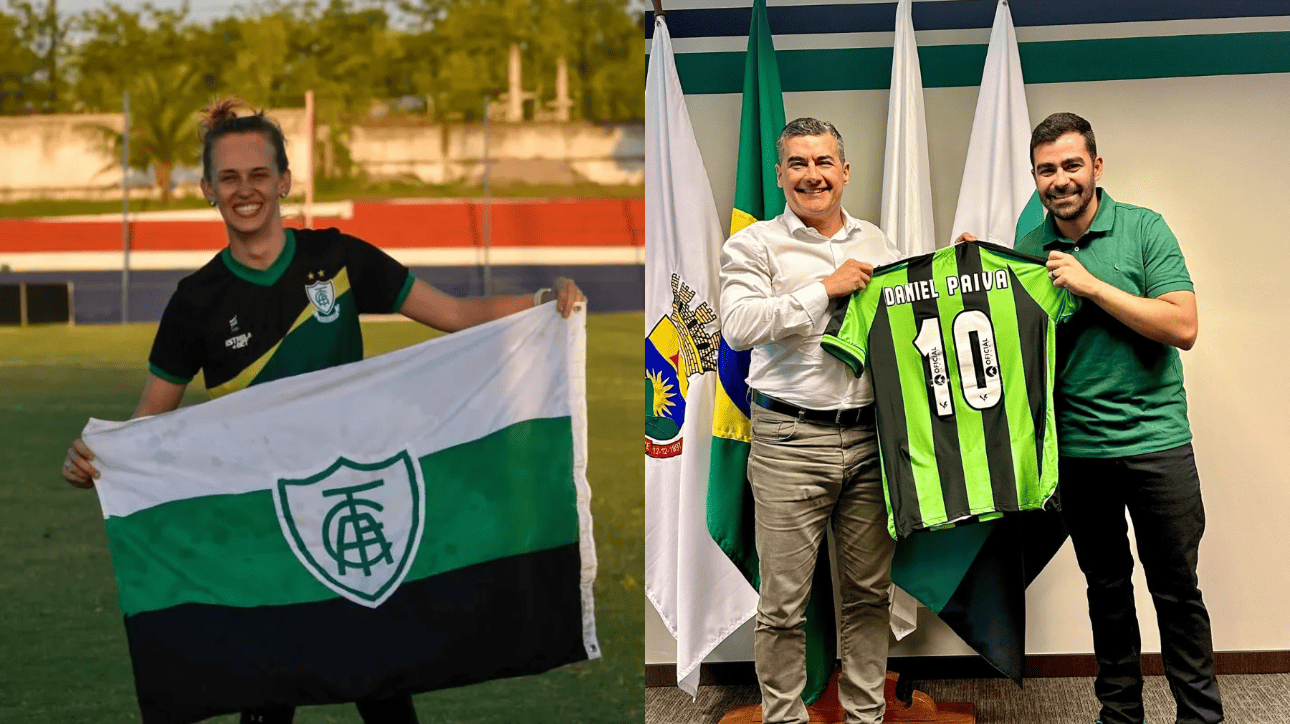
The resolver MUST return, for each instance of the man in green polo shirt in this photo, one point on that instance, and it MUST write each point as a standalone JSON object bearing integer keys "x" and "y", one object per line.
{"x": 1122, "y": 424}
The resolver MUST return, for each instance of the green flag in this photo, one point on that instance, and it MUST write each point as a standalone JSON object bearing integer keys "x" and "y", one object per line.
{"x": 730, "y": 504}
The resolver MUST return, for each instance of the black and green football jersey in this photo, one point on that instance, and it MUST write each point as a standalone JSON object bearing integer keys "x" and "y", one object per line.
{"x": 961, "y": 349}
{"x": 241, "y": 326}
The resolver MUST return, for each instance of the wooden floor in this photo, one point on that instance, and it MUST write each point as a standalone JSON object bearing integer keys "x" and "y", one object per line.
{"x": 1247, "y": 699}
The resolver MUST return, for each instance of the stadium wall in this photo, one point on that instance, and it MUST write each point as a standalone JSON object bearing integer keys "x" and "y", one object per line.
{"x": 75, "y": 161}
{"x": 1189, "y": 101}
{"x": 598, "y": 243}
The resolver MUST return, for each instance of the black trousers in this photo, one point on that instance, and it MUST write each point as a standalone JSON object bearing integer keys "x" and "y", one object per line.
{"x": 398, "y": 710}
{"x": 1161, "y": 492}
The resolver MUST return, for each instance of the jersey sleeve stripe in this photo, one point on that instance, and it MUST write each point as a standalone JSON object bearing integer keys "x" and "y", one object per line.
{"x": 403, "y": 293}
{"x": 851, "y": 355}
{"x": 176, "y": 379}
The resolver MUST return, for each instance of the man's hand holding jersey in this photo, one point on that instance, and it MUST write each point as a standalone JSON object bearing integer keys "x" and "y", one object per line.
{"x": 851, "y": 277}
{"x": 1067, "y": 273}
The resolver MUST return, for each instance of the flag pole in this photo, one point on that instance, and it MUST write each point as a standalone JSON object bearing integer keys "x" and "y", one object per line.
{"x": 125, "y": 210}
{"x": 488, "y": 205}
{"x": 309, "y": 159}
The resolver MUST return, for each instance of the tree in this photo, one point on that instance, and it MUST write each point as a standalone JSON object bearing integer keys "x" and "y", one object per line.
{"x": 609, "y": 60}
{"x": 163, "y": 122}
{"x": 467, "y": 43}
{"x": 121, "y": 45}
{"x": 453, "y": 56}
{"x": 19, "y": 63}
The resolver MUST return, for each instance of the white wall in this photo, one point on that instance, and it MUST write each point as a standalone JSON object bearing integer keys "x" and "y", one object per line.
{"x": 1211, "y": 155}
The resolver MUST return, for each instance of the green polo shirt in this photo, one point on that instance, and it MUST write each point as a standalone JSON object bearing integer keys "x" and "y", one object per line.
{"x": 1118, "y": 393}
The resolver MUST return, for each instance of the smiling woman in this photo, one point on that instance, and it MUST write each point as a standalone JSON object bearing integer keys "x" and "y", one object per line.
{"x": 276, "y": 303}
{"x": 245, "y": 174}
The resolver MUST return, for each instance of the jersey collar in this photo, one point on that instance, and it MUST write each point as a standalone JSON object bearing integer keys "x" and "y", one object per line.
{"x": 263, "y": 277}
{"x": 1103, "y": 221}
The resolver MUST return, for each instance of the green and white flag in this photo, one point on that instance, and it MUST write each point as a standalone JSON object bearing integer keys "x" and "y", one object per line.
{"x": 414, "y": 521}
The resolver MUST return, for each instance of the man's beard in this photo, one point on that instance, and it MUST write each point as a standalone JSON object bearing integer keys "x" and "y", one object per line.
{"x": 1085, "y": 198}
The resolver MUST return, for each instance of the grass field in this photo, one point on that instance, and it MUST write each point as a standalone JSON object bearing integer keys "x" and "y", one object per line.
{"x": 63, "y": 655}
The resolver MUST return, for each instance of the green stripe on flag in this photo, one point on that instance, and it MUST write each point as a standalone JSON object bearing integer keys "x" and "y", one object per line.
{"x": 1031, "y": 216}
{"x": 930, "y": 565}
{"x": 760, "y": 122}
{"x": 505, "y": 494}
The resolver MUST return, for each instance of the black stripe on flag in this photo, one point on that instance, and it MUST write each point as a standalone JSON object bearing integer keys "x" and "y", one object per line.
{"x": 994, "y": 419}
{"x": 945, "y": 430}
{"x": 509, "y": 617}
{"x": 1032, "y": 327}
{"x": 890, "y": 409}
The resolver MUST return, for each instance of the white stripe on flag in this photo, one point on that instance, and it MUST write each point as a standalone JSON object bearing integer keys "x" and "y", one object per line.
{"x": 453, "y": 389}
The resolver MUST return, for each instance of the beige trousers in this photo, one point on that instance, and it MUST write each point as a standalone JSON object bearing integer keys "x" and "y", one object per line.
{"x": 804, "y": 477}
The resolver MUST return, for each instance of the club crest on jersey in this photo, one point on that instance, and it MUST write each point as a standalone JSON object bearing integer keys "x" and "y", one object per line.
{"x": 678, "y": 348}
{"x": 356, "y": 526}
{"x": 322, "y": 295}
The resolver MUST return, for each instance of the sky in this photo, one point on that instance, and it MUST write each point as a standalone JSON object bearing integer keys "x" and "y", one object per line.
{"x": 206, "y": 10}
{"x": 199, "y": 10}
{"x": 202, "y": 11}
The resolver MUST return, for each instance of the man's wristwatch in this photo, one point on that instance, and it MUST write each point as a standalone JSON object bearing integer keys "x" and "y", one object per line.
{"x": 537, "y": 296}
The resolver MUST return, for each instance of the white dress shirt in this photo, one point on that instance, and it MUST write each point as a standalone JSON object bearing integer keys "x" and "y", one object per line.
{"x": 772, "y": 300}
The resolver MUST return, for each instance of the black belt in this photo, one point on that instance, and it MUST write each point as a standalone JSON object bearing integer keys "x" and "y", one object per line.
{"x": 853, "y": 416}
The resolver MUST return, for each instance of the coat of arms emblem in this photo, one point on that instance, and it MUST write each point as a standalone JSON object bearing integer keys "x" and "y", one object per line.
{"x": 322, "y": 295}
{"x": 356, "y": 526}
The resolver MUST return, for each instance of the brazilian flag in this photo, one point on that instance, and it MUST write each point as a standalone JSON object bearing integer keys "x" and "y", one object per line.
{"x": 730, "y": 503}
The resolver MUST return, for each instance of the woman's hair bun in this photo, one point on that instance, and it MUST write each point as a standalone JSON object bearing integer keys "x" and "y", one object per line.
{"x": 219, "y": 112}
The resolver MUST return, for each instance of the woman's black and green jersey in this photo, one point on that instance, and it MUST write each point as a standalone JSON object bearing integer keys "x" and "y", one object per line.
{"x": 241, "y": 326}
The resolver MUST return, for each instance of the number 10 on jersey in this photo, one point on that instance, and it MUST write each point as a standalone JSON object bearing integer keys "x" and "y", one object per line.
{"x": 975, "y": 353}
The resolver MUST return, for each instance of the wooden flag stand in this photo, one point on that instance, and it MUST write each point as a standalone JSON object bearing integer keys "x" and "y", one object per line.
{"x": 828, "y": 709}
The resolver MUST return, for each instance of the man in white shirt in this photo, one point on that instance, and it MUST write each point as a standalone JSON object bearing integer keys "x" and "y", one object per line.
{"x": 814, "y": 457}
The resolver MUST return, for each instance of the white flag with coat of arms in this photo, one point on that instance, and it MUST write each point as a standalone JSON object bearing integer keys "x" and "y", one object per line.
{"x": 697, "y": 591}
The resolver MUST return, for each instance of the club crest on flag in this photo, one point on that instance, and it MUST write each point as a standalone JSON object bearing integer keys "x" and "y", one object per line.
{"x": 322, "y": 295}
{"x": 354, "y": 526}
{"x": 678, "y": 348}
